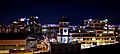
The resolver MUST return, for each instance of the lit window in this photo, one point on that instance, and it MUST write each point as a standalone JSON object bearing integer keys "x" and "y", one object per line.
{"x": 31, "y": 22}
{"x": 22, "y": 19}
{"x": 80, "y": 26}
{"x": 83, "y": 27}
{"x": 105, "y": 27}
{"x": 104, "y": 31}
{"x": 106, "y": 20}
{"x": 79, "y": 31}
{"x": 75, "y": 39}
{"x": 28, "y": 19}
{"x": 87, "y": 25}
{"x": 36, "y": 17}
{"x": 90, "y": 31}
{"x": 101, "y": 21}
{"x": 64, "y": 39}
{"x": 81, "y": 39}
{"x": 93, "y": 39}
{"x": 21, "y": 27}
{"x": 44, "y": 30}
{"x": 110, "y": 32}
{"x": 90, "y": 19}
{"x": 15, "y": 22}
{"x": 100, "y": 34}
{"x": 105, "y": 24}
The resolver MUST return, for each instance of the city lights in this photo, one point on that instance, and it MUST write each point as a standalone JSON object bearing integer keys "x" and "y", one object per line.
{"x": 22, "y": 19}
{"x": 59, "y": 27}
{"x": 41, "y": 37}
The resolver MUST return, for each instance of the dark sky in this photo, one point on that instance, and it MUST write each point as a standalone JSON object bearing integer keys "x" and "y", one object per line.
{"x": 50, "y": 11}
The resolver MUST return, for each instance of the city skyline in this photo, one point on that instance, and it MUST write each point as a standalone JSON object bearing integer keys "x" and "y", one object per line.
{"x": 52, "y": 10}
{"x": 59, "y": 26}
{"x": 72, "y": 22}
{"x": 56, "y": 38}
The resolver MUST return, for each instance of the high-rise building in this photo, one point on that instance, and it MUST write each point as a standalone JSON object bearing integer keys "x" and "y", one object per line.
{"x": 95, "y": 32}
{"x": 19, "y": 25}
{"x": 33, "y": 24}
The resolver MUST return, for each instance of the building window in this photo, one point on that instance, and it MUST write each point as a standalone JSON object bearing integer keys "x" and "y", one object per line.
{"x": 97, "y": 38}
{"x": 84, "y": 38}
{"x": 111, "y": 32}
{"x": 81, "y": 39}
{"x": 90, "y": 38}
{"x": 104, "y": 31}
{"x": 93, "y": 38}
{"x": 99, "y": 31}
{"x": 82, "y": 42}
{"x": 112, "y": 38}
{"x": 96, "y": 24}
{"x": 87, "y": 38}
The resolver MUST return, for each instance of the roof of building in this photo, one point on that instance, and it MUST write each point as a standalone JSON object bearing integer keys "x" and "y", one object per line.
{"x": 13, "y": 36}
{"x": 12, "y": 42}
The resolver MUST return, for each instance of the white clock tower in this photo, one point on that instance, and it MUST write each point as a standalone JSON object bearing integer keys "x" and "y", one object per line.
{"x": 64, "y": 35}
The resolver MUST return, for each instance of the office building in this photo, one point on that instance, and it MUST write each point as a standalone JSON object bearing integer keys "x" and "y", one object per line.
{"x": 33, "y": 24}
{"x": 95, "y": 32}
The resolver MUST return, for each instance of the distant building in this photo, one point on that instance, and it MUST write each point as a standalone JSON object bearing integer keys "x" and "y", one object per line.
{"x": 50, "y": 31}
{"x": 20, "y": 25}
{"x": 12, "y": 41}
{"x": 64, "y": 42}
{"x": 95, "y": 32}
{"x": 64, "y": 31}
{"x": 118, "y": 33}
{"x": 5, "y": 29}
{"x": 33, "y": 24}
{"x": 63, "y": 37}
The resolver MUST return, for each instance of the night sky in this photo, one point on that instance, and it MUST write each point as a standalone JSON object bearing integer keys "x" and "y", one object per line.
{"x": 50, "y": 11}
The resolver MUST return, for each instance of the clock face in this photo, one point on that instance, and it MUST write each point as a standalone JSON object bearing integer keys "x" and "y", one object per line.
{"x": 65, "y": 31}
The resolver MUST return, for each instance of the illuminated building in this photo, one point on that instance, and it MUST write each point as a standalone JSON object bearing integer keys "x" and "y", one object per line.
{"x": 50, "y": 31}
{"x": 95, "y": 32}
{"x": 32, "y": 40}
{"x": 64, "y": 42}
{"x": 5, "y": 29}
{"x": 64, "y": 34}
{"x": 118, "y": 33}
{"x": 33, "y": 24}
{"x": 20, "y": 26}
{"x": 16, "y": 42}
{"x": 60, "y": 37}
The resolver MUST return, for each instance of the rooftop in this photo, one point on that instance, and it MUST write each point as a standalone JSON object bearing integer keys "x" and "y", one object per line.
{"x": 13, "y": 36}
